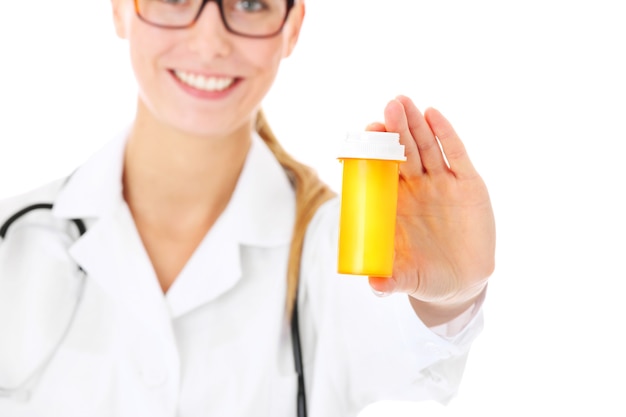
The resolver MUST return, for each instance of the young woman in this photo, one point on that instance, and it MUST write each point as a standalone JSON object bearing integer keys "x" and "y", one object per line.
{"x": 165, "y": 279}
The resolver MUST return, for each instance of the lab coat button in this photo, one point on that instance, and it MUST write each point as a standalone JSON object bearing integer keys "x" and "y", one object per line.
{"x": 154, "y": 377}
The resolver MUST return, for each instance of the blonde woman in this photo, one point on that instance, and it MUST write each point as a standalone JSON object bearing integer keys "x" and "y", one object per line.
{"x": 189, "y": 267}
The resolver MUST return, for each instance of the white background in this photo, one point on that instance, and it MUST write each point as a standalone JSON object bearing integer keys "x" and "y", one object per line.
{"x": 535, "y": 88}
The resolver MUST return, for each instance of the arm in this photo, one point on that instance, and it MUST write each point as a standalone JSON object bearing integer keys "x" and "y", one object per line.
{"x": 445, "y": 238}
{"x": 360, "y": 348}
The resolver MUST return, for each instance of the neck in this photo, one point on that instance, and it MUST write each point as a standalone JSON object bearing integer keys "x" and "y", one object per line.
{"x": 177, "y": 181}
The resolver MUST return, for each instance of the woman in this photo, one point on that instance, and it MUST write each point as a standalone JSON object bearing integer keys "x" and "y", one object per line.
{"x": 193, "y": 218}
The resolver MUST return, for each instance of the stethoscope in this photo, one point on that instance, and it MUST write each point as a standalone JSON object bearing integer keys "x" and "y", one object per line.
{"x": 21, "y": 391}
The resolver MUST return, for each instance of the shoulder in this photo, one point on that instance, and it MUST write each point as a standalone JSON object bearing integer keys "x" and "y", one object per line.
{"x": 43, "y": 194}
{"x": 324, "y": 226}
{"x": 319, "y": 251}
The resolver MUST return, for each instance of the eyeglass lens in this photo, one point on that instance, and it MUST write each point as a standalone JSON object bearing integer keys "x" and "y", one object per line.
{"x": 245, "y": 17}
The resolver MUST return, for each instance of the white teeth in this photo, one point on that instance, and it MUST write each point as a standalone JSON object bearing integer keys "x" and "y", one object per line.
{"x": 204, "y": 83}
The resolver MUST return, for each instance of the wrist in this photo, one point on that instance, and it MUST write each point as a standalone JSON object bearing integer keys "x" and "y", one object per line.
{"x": 436, "y": 313}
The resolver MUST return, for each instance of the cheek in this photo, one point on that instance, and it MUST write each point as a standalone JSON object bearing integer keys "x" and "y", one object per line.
{"x": 146, "y": 45}
{"x": 266, "y": 64}
{"x": 266, "y": 58}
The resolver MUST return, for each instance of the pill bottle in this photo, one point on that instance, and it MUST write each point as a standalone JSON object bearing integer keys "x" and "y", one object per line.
{"x": 369, "y": 200}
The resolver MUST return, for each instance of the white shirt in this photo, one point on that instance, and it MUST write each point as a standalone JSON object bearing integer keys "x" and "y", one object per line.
{"x": 218, "y": 342}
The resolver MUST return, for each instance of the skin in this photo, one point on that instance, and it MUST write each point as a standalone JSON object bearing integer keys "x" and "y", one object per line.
{"x": 445, "y": 239}
{"x": 184, "y": 156}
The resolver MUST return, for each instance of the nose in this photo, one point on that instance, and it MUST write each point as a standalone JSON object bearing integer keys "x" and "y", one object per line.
{"x": 209, "y": 37}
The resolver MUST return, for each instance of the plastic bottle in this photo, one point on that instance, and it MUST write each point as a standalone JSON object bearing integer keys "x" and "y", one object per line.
{"x": 369, "y": 200}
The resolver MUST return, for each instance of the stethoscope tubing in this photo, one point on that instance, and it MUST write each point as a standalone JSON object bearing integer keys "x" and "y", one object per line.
{"x": 21, "y": 388}
{"x": 82, "y": 229}
{"x": 5, "y": 227}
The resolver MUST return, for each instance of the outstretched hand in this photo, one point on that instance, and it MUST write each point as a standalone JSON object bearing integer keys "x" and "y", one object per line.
{"x": 445, "y": 229}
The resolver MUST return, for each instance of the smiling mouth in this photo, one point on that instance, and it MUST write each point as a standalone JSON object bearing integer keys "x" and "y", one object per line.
{"x": 200, "y": 82}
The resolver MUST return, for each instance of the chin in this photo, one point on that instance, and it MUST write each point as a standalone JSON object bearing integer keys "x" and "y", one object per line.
{"x": 215, "y": 127}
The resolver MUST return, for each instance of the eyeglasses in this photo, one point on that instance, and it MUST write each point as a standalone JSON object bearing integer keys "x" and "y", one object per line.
{"x": 249, "y": 18}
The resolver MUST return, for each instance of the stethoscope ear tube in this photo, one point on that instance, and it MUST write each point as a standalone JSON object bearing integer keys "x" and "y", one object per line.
{"x": 5, "y": 227}
{"x": 39, "y": 206}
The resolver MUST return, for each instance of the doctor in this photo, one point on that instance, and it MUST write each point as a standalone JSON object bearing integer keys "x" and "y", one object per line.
{"x": 164, "y": 279}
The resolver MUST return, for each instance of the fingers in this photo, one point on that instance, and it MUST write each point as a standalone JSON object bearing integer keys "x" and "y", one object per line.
{"x": 422, "y": 135}
{"x": 382, "y": 286}
{"x": 396, "y": 121}
{"x": 429, "y": 151}
{"x": 453, "y": 147}
{"x": 376, "y": 127}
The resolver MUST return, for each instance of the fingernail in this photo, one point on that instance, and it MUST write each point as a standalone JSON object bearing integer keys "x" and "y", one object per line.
{"x": 380, "y": 294}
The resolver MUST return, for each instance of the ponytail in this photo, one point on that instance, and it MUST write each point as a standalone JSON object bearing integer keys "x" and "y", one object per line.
{"x": 311, "y": 193}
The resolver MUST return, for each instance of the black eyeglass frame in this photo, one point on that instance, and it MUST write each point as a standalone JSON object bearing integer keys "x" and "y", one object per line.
{"x": 290, "y": 4}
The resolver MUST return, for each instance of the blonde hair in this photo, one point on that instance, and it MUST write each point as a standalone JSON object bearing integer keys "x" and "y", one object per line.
{"x": 311, "y": 193}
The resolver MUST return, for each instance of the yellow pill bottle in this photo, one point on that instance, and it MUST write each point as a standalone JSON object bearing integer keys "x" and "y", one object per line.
{"x": 369, "y": 201}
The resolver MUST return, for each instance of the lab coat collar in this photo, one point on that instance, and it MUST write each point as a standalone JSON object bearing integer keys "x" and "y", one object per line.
{"x": 263, "y": 200}
{"x": 95, "y": 188}
{"x": 261, "y": 213}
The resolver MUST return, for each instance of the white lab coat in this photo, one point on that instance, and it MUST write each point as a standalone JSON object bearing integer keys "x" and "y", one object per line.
{"x": 218, "y": 343}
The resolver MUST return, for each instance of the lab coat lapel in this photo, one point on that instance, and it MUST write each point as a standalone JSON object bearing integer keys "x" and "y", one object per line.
{"x": 264, "y": 201}
{"x": 111, "y": 252}
{"x": 113, "y": 256}
{"x": 260, "y": 213}
{"x": 214, "y": 268}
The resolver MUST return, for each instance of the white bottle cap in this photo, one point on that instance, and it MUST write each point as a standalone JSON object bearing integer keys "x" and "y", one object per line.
{"x": 372, "y": 145}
